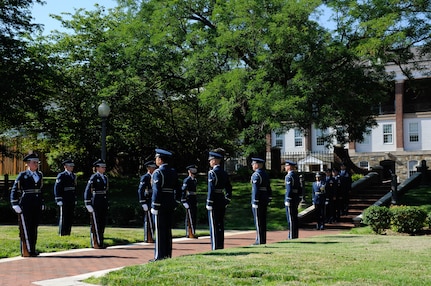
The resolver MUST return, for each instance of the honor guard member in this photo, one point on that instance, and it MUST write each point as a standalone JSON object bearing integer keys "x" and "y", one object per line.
{"x": 27, "y": 202}
{"x": 189, "y": 200}
{"x": 145, "y": 192}
{"x": 261, "y": 194}
{"x": 166, "y": 196}
{"x": 291, "y": 200}
{"x": 338, "y": 195}
{"x": 319, "y": 199}
{"x": 219, "y": 196}
{"x": 330, "y": 196}
{"x": 346, "y": 186}
{"x": 96, "y": 202}
{"x": 65, "y": 197}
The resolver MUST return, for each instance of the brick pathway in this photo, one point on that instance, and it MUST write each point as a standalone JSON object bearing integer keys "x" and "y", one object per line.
{"x": 67, "y": 268}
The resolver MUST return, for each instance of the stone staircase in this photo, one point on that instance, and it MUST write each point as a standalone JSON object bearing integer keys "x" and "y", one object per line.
{"x": 358, "y": 202}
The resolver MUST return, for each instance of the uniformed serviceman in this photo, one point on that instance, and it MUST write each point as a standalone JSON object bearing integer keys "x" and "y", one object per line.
{"x": 319, "y": 199}
{"x": 189, "y": 200}
{"x": 27, "y": 202}
{"x": 330, "y": 196}
{"x": 261, "y": 194}
{"x": 65, "y": 197}
{"x": 166, "y": 196}
{"x": 291, "y": 200}
{"x": 219, "y": 196}
{"x": 346, "y": 187}
{"x": 337, "y": 195}
{"x": 145, "y": 191}
{"x": 96, "y": 202}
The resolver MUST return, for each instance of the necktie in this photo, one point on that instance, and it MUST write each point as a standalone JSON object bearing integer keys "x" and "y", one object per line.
{"x": 35, "y": 177}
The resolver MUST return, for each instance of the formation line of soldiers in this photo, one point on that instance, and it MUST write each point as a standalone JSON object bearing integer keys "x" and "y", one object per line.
{"x": 159, "y": 193}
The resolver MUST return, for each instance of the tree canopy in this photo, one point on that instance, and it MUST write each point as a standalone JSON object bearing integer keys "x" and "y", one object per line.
{"x": 193, "y": 75}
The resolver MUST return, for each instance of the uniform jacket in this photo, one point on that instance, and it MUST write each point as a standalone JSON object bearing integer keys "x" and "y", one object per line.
{"x": 261, "y": 191}
{"x": 145, "y": 190}
{"x": 189, "y": 187}
{"x": 64, "y": 187}
{"x": 218, "y": 181}
{"x": 318, "y": 192}
{"x": 24, "y": 182}
{"x": 166, "y": 194}
{"x": 97, "y": 183}
{"x": 293, "y": 186}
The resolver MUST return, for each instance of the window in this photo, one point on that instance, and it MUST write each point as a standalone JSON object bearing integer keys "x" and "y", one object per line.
{"x": 367, "y": 138}
{"x": 298, "y": 138}
{"x": 320, "y": 139}
{"x": 414, "y": 132}
{"x": 364, "y": 165}
{"x": 278, "y": 141}
{"x": 387, "y": 134}
{"x": 412, "y": 167}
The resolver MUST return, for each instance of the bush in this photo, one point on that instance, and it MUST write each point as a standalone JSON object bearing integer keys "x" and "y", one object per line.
{"x": 428, "y": 220}
{"x": 378, "y": 218}
{"x": 407, "y": 219}
{"x": 356, "y": 177}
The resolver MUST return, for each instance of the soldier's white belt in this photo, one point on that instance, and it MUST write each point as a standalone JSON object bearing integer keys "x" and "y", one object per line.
{"x": 167, "y": 190}
{"x": 31, "y": 191}
{"x": 99, "y": 192}
{"x": 318, "y": 193}
{"x": 69, "y": 188}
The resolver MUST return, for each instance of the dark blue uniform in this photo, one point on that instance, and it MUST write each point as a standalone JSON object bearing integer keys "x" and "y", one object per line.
{"x": 65, "y": 192}
{"x": 346, "y": 186}
{"x": 145, "y": 192}
{"x": 261, "y": 193}
{"x": 95, "y": 195}
{"x": 319, "y": 201}
{"x": 164, "y": 201}
{"x": 27, "y": 194}
{"x": 291, "y": 201}
{"x": 219, "y": 196}
{"x": 189, "y": 196}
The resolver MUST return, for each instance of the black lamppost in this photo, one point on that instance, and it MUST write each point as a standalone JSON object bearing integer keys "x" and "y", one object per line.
{"x": 104, "y": 111}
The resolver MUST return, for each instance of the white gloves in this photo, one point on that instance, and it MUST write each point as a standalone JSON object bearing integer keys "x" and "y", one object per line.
{"x": 89, "y": 208}
{"x": 17, "y": 209}
{"x": 254, "y": 206}
{"x": 145, "y": 207}
{"x": 287, "y": 203}
{"x": 210, "y": 208}
{"x": 186, "y": 205}
{"x": 60, "y": 203}
{"x": 154, "y": 211}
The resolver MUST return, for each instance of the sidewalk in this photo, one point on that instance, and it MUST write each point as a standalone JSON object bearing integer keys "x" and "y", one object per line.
{"x": 70, "y": 267}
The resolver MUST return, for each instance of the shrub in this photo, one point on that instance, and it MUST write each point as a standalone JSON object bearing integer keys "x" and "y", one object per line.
{"x": 428, "y": 220}
{"x": 356, "y": 177}
{"x": 407, "y": 219}
{"x": 378, "y": 218}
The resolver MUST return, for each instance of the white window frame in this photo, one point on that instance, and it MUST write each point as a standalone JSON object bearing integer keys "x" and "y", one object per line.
{"x": 298, "y": 138}
{"x": 279, "y": 142}
{"x": 414, "y": 132}
{"x": 388, "y": 135}
{"x": 320, "y": 140}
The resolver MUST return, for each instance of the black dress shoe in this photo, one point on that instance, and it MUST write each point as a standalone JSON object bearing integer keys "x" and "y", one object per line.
{"x": 34, "y": 254}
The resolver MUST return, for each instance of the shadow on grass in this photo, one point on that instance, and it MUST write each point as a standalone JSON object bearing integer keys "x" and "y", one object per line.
{"x": 227, "y": 253}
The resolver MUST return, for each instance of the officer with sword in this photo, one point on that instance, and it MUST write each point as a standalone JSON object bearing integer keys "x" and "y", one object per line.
{"x": 96, "y": 202}
{"x": 261, "y": 194}
{"x": 145, "y": 193}
{"x": 189, "y": 200}
{"x": 26, "y": 200}
{"x": 65, "y": 197}
{"x": 219, "y": 196}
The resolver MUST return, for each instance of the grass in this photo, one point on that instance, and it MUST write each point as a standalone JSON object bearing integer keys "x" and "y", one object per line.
{"x": 345, "y": 259}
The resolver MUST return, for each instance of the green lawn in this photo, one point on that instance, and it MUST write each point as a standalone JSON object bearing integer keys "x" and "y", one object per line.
{"x": 347, "y": 259}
